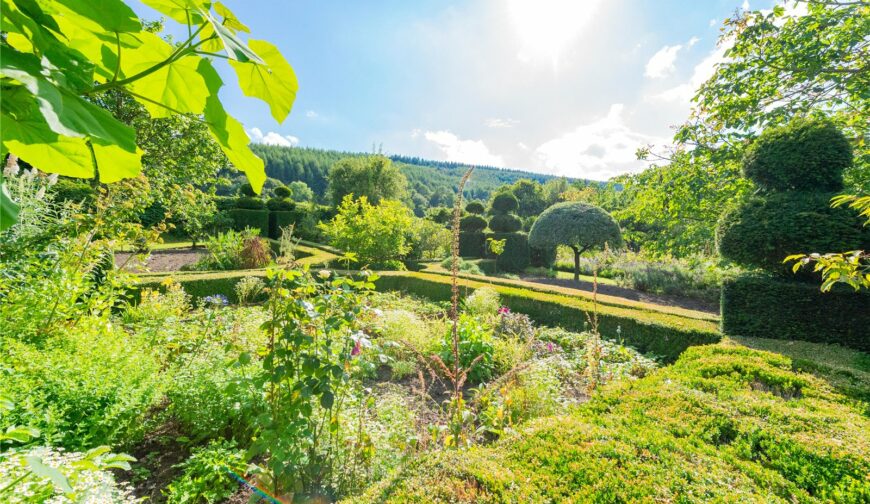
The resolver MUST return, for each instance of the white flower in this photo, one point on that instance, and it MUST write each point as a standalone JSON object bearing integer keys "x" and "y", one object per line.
{"x": 40, "y": 193}
{"x": 30, "y": 174}
{"x": 323, "y": 274}
{"x": 12, "y": 169}
{"x": 52, "y": 179}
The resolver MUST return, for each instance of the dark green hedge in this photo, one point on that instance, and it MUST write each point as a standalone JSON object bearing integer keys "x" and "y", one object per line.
{"x": 768, "y": 307}
{"x": 505, "y": 223}
{"x": 250, "y": 203}
{"x": 471, "y": 244}
{"x": 504, "y": 203}
{"x": 281, "y": 204}
{"x": 542, "y": 258}
{"x": 804, "y": 155}
{"x": 255, "y": 219}
{"x": 646, "y": 333}
{"x": 475, "y": 207}
{"x": 765, "y": 229}
{"x": 516, "y": 256}
{"x": 280, "y": 219}
{"x": 472, "y": 223}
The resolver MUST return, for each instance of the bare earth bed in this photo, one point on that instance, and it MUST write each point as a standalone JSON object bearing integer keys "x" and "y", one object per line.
{"x": 159, "y": 260}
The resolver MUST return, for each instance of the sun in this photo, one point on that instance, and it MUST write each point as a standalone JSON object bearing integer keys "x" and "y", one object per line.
{"x": 546, "y": 27}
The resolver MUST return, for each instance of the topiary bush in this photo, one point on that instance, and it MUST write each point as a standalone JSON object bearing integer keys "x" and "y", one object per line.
{"x": 505, "y": 223}
{"x": 542, "y": 257}
{"x": 475, "y": 207}
{"x": 472, "y": 224}
{"x": 281, "y": 204}
{"x": 471, "y": 244}
{"x": 771, "y": 307}
{"x": 246, "y": 190}
{"x": 282, "y": 192}
{"x": 250, "y": 203}
{"x": 762, "y": 231}
{"x": 246, "y": 218}
{"x": 805, "y": 155}
{"x": 516, "y": 255}
{"x": 504, "y": 203}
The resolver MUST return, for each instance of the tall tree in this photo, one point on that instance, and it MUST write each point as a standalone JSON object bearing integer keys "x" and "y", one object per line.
{"x": 374, "y": 177}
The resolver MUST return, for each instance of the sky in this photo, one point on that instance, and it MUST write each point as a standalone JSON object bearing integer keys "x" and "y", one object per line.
{"x": 565, "y": 87}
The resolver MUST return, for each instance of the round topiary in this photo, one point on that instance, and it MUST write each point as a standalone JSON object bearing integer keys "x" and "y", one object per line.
{"x": 472, "y": 224}
{"x": 281, "y": 204}
{"x": 504, "y": 203}
{"x": 505, "y": 223}
{"x": 805, "y": 155}
{"x": 282, "y": 192}
{"x": 250, "y": 203}
{"x": 762, "y": 231}
{"x": 246, "y": 190}
{"x": 475, "y": 207}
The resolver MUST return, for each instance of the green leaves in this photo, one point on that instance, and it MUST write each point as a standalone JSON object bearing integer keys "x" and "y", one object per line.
{"x": 55, "y": 51}
{"x": 57, "y": 478}
{"x": 275, "y": 83}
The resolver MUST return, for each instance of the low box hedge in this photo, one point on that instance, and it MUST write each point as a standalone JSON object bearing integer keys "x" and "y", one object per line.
{"x": 663, "y": 334}
{"x": 247, "y": 218}
{"x": 769, "y": 307}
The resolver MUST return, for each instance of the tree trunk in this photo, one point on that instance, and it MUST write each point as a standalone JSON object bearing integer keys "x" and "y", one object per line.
{"x": 576, "y": 263}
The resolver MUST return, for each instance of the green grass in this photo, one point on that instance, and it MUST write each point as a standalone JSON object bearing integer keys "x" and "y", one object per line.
{"x": 725, "y": 423}
{"x": 564, "y": 275}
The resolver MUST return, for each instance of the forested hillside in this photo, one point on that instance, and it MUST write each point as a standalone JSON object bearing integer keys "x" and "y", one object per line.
{"x": 430, "y": 183}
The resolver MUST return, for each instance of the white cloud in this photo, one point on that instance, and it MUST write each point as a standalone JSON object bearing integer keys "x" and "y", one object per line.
{"x": 693, "y": 41}
{"x": 703, "y": 71}
{"x": 662, "y": 63}
{"x": 498, "y": 122}
{"x": 713, "y": 22}
{"x": 745, "y": 5}
{"x": 598, "y": 150}
{"x": 463, "y": 151}
{"x": 272, "y": 138}
{"x": 312, "y": 114}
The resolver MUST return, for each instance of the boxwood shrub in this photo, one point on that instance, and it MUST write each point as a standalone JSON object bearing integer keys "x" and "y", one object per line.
{"x": 505, "y": 223}
{"x": 769, "y": 307}
{"x": 515, "y": 257}
{"x": 250, "y": 202}
{"x": 255, "y": 219}
{"x": 471, "y": 244}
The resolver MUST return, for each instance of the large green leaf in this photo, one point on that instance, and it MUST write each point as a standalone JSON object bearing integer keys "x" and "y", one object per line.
{"x": 112, "y": 15}
{"x": 229, "y": 133}
{"x": 57, "y": 478}
{"x": 226, "y": 38}
{"x": 274, "y": 83}
{"x": 8, "y": 208}
{"x": 178, "y": 86}
{"x": 179, "y": 10}
{"x": 114, "y": 164}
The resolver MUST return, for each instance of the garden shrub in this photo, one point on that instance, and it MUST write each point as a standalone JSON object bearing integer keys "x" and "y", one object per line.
{"x": 504, "y": 203}
{"x": 505, "y": 223}
{"x": 765, "y": 229}
{"x": 804, "y": 155}
{"x": 474, "y": 341}
{"x": 73, "y": 190}
{"x": 483, "y": 303}
{"x": 542, "y": 257}
{"x": 801, "y": 311}
{"x": 250, "y": 203}
{"x": 464, "y": 266}
{"x": 282, "y": 192}
{"x": 471, "y": 244}
{"x": 246, "y": 190}
{"x": 472, "y": 224}
{"x": 515, "y": 257}
{"x": 475, "y": 207}
{"x": 206, "y": 474}
{"x": 281, "y": 204}
{"x": 255, "y": 219}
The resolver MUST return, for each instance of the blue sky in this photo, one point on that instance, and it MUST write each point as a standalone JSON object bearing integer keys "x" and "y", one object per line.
{"x": 569, "y": 87}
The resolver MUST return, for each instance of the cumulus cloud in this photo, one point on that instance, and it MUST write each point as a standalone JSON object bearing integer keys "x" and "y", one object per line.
{"x": 704, "y": 70}
{"x": 312, "y": 114}
{"x": 662, "y": 63}
{"x": 272, "y": 138}
{"x": 598, "y": 150}
{"x": 463, "y": 151}
{"x": 498, "y": 122}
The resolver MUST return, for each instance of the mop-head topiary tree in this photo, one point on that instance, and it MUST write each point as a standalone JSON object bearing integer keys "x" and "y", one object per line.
{"x": 580, "y": 226}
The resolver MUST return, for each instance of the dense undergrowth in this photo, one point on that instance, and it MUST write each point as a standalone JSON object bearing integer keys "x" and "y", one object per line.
{"x": 723, "y": 423}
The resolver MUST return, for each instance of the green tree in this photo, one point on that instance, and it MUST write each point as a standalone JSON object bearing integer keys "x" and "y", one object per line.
{"x": 300, "y": 192}
{"x": 57, "y": 60}
{"x": 377, "y": 234}
{"x": 530, "y": 196}
{"x": 374, "y": 177}
{"x": 580, "y": 226}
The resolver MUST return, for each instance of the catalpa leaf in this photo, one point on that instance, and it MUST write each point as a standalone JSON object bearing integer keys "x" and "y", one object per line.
{"x": 274, "y": 83}
{"x": 112, "y": 15}
{"x": 114, "y": 164}
{"x": 183, "y": 11}
{"x": 32, "y": 140}
{"x": 230, "y": 19}
{"x": 226, "y": 38}
{"x": 177, "y": 86}
{"x": 8, "y": 208}
{"x": 229, "y": 133}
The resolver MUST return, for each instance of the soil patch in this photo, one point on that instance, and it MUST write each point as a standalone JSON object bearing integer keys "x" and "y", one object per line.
{"x": 634, "y": 295}
{"x": 159, "y": 260}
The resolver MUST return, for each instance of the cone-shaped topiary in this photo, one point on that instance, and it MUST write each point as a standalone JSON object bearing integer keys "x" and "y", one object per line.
{"x": 805, "y": 155}
{"x": 578, "y": 225}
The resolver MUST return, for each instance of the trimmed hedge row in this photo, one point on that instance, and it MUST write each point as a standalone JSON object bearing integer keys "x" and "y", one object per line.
{"x": 767, "y": 307}
{"x": 471, "y": 244}
{"x": 515, "y": 257}
{"x": 662, "y": 334}
{"x": 243, "y": 217}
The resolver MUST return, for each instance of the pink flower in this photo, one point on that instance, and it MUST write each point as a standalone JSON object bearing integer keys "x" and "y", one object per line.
{"x": 504, "y": 310}
{"x": 550, "y": 347}
{"x": 357, "y": 348}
